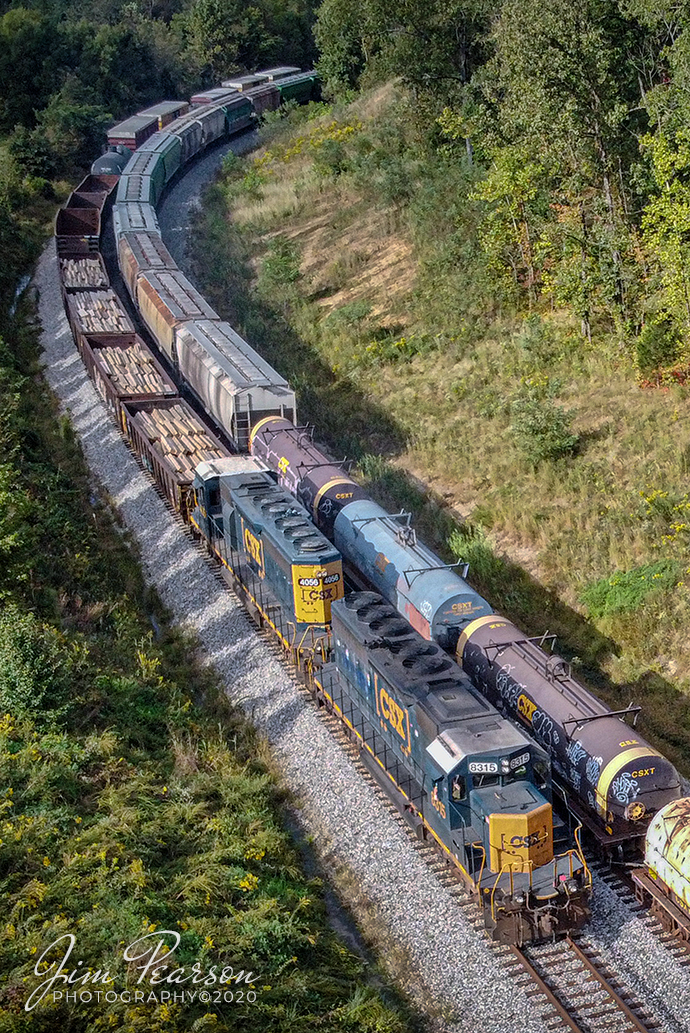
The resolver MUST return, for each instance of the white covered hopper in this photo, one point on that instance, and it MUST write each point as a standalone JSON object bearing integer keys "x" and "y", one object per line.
{"x": 231, "y": 380}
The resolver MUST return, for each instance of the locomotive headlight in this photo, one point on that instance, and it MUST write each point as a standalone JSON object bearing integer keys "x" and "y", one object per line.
{"x": 519, "y": 898}
{"x": 571, "y": 886}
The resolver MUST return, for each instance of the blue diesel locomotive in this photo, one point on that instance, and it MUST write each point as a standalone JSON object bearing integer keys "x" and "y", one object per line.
{"x": 457, "y": 770}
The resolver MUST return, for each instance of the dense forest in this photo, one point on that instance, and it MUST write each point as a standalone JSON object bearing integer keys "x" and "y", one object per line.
{"x": 573, "y": 123}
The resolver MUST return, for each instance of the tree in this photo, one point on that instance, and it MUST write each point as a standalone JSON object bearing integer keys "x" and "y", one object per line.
{"x": 666, "y": 222}
{"x": 227, "y": 35}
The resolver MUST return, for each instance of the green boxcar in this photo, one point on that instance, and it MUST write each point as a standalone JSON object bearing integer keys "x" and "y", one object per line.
{"x": 302, "y": 87}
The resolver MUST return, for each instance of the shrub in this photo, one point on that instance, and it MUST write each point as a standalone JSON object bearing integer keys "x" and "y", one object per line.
{"x": 542, "y": 430}
{"x": 657, "y": 345}
{"x": 280, "y": 269}
{"x": 624, "y": 591}
{"x": 36, "y": 665}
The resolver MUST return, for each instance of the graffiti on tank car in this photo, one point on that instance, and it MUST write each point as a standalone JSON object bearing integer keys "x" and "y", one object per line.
{"x": 575, "y": 751}
{"x": 575, "y": 779}
{"x": 544, "y": 729}
{"x": 426, "y": 609}
{"x": 283, "y": 464}
{"x": 507, "y": 688}
{"x": 624, "y": 788}
{"x": 593, "y": 769}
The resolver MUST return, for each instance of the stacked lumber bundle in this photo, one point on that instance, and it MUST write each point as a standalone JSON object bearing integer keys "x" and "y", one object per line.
{"x": 180, "y": 437}
{"x": 82, "y": 273}
{"x": 101, "y": 313}
{"x": 132, "y": 371}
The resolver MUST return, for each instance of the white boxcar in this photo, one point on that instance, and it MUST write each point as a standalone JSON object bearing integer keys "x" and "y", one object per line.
{"x": 235, "y": 385}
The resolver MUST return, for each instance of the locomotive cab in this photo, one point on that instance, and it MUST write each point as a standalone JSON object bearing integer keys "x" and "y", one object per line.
{"x": 207, "y": 513}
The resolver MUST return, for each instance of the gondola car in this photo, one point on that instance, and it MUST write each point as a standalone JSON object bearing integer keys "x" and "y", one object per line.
{"x": 457, "y": 769}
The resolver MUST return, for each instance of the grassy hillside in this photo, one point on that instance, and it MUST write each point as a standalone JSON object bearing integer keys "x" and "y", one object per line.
{"x": 132, "y": 798}
{"x": 348, "y": 250}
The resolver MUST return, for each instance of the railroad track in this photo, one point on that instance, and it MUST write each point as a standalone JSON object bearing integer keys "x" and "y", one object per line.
{"x": 580, "y": 991}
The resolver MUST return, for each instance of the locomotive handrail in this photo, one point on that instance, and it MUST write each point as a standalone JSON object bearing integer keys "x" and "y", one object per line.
{"x": 480, "y": 846}
{"x": 577, "y": 831}
{"x": 441, "y": 566}
{"x": 630, "y": 709}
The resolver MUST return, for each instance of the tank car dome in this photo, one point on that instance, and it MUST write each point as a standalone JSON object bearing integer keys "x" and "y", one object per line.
{"x": 112, "y": 162}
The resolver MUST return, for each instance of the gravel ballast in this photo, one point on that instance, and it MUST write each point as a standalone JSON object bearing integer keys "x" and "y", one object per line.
{"x": 452, "y": 971}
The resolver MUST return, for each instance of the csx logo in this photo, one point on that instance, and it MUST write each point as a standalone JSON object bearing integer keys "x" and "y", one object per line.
{"x": 533, "y": 839}
{"x": 629, "y": 742}
{"x": 526, "y": 707}
{"x": 642, "y": 772}
{"x": 253, "y": 548}
{"x": 345, "y": 495}
{"x": 394, "y": 715}
{"x": 462, "y": 607}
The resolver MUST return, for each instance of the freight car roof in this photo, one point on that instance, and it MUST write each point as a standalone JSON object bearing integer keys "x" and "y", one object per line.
{"x": 234, "y": 356}
{"x": 132, "y": 216}
{"x": 166, "y": 107}
{"x": 131, "y": 126}
{"x": 278, "y": 73}
{"x": 230, "y": 465}
{"x": 242, "y": 82}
